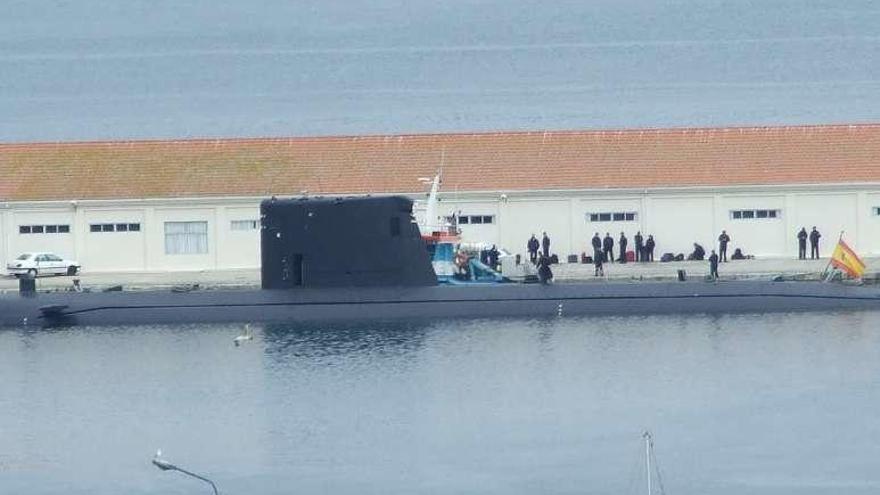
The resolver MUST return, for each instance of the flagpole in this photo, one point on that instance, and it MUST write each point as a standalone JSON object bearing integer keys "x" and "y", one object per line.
{"x": 825, "y": 271}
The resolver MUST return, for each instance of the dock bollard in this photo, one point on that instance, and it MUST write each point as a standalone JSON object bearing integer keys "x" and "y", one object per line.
{"x": 27, "y": 285}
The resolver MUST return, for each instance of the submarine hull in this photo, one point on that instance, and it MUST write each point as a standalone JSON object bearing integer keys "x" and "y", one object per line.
{"x": 435, "y": 302}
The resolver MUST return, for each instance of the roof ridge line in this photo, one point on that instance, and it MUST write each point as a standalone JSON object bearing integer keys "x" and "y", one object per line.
{"x": 543, "y": 132}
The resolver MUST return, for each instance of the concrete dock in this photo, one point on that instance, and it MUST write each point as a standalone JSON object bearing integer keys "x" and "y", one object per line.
{"x": 754, "y": 269}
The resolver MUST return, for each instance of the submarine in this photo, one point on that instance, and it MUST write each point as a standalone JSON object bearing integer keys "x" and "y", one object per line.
{"x": 364, "y": 258}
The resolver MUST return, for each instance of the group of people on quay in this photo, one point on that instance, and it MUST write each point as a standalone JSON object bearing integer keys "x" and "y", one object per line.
{"x": 814, "y": 237}
{"x": 643, "y": 251}
{"x": 604, "y": 248}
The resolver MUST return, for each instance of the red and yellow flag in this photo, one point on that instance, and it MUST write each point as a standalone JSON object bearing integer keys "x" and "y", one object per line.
{"x": 845, "y": 259}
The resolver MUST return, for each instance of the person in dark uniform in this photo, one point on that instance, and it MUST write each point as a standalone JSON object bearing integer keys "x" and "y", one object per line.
{"x": 699, "y": 253}
{"x": 640, "y": 246}
{"x": 723, "y": 239}
{"x": 545, "y": 243}
{"x": 532, "y": 246}
{"x": 492, "y": 255}
{"x": 649, "y": 248}
{"x": 814, "y": 243}
{"x": 713, "y": 265}
{"x": 608, "y": 247}
{"x": 622, "y": 242}
{"x": 597, "y": 243}
{"x": 598, "y": 261}
{"x": 802, "y": 243}
{"x": 545, "y": 275}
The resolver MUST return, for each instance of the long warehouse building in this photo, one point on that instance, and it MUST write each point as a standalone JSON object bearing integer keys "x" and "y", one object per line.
{"x": 194, "y": 204}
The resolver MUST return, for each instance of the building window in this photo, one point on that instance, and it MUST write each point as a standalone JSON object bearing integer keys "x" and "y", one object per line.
{"x": 752, "y": 214}
{"x": 243, "y": 225}
{"x": 614, "y": 216}
{"x": 476, "y": 219}
{"x": 186, "y": 237}
{"x": 115, "y": 227}
{"x": 44, "y": 229}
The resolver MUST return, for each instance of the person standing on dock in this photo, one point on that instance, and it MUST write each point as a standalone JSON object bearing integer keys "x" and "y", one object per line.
{"x": 492, "y": 257}
{"x": 802, "y": 243}
{"x": 649, "y": 248}
{"x": 545, "y": 243}
{"x": 532, "y": 247}
{"x": 545, "y": 274}
{"x": 597, "y": 243}
{"x": 598, "y": 262}
{"x": 640, "y": 246}
{"x": 622, "y": 242}
{"x": 814, "y": 243}
{"x": 713, "y": 265}
{"x": 723, "y": 239}
{"x": 608, "y": 247}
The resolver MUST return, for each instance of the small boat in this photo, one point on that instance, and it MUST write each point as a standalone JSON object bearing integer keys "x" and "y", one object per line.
{"x": 453, "y": 262}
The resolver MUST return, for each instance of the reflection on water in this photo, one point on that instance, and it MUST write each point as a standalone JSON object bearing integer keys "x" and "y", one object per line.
{"x": 780, "y": 403}
{"x": 339, "y": 340}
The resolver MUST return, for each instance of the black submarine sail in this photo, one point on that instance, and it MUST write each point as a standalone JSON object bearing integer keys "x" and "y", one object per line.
{"x": 342, "y": 242}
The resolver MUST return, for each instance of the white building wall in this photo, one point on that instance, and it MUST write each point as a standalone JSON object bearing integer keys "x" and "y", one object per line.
{"x": 831, "y": 213}
{"x": 4, "y": 236}
{"x": 584, "y": 228}
{"x": 755, "y": 236}
{"x": 61, "y": 244}
{"x": 523, "y": 217}
{"x": 677, "y": 218}
{"x": 869, "y": 238}
{"x": 239, "y": 248}
{"x": 474, "y": 232}
{"x": 157, "y": 259}
{"x": 677, "y": 222}
{"x": 112, "y": 251}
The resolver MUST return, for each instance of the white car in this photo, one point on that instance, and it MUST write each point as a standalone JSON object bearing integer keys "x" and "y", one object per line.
{"x": 42, "y": 264}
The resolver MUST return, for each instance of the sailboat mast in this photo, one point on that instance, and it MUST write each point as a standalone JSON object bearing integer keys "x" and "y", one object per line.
{"x": 647, "y": 437}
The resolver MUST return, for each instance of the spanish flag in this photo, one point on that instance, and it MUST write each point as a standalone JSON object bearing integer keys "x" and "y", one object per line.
{"x": 845, "y": 259}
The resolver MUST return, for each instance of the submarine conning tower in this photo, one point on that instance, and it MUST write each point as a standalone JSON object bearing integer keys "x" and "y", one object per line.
{"x": 342, "y": 242}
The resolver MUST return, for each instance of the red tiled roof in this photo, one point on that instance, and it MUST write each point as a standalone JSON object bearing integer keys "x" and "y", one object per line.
{"x": 470, "y": 162}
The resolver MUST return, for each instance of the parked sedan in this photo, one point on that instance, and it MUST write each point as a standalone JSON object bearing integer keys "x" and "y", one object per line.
{"x": 36, "y": 264}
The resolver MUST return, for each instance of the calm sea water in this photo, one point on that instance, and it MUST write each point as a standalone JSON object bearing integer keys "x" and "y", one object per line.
{"x": 759, "y": 404}
{"x": 104, "y": 69}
